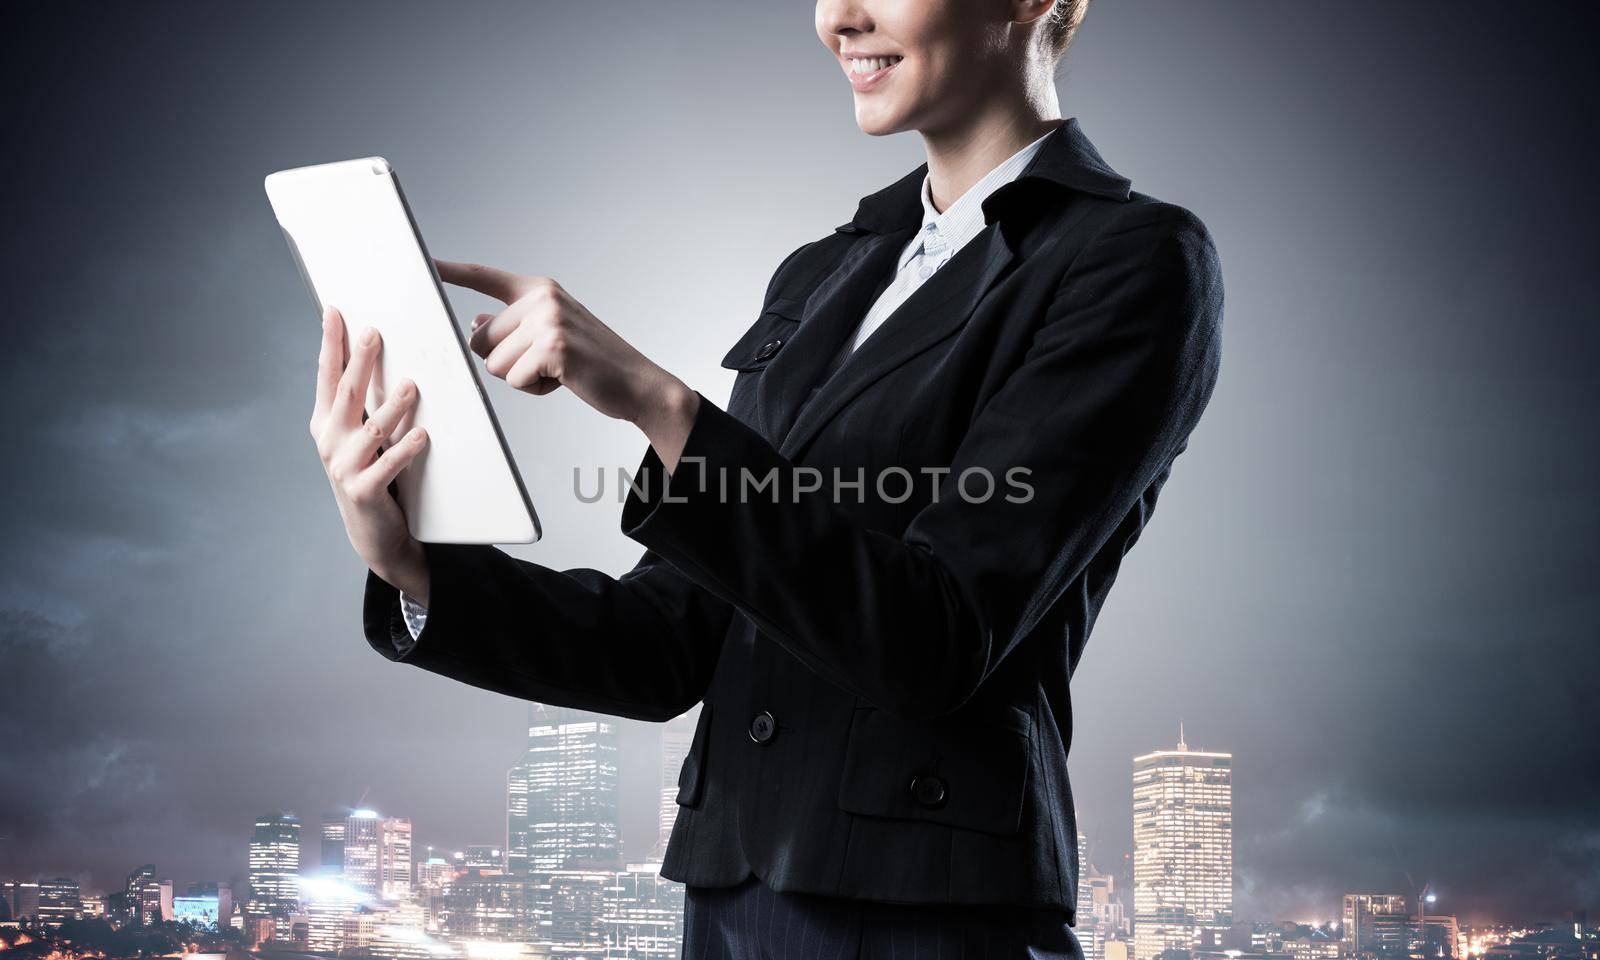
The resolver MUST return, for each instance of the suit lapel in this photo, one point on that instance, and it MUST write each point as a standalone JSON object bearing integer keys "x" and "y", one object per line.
{"x": 936, "y": 309}
{"x": 1066, "y": 163}
{"x": 830, "y": 314}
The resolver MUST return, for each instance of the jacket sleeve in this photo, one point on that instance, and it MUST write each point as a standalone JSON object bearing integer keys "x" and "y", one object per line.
{"x": 1113, "y": 382}
{"x": 642, "y": 645}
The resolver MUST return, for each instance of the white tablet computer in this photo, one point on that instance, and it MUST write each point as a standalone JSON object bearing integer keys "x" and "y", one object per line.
{"x": 359, "y": 249}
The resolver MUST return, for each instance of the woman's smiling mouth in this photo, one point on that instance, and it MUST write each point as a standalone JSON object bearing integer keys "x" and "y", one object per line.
{"x": 867, "y": 72}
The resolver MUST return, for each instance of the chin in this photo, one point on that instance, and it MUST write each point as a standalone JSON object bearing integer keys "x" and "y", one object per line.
{"x": 875, "y": 121}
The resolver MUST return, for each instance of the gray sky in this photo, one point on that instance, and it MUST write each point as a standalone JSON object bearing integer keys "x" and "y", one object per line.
{"x": 1372, "y": 575}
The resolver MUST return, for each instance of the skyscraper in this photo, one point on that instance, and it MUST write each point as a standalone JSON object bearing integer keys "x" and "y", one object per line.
{"x": 394, "y": 858}
{"x": 274, "y": 866}
{"x": 143, "y": 899}
{"x": 676, "y": 737}
{"x": 561, "y": 796}
{"x": 361, "y": 851}
{"x": 1375, "y": 923}
{"x": 329, "y": 908}
{"x": 1087, "y": 927}
{"x": 22, "y": 898}
{"x": 434, "y": 873}
{"x": 134, "y": 894}
{"x": 644, "y": 916}
{"x": 59, "y": 900}
{"x": 1182, "y": 847}
{"x": 157, "y": 901}
{"x": 331, "y": 857}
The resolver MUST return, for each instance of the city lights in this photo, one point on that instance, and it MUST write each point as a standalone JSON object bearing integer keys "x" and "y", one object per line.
{"x": 559, "y": 887}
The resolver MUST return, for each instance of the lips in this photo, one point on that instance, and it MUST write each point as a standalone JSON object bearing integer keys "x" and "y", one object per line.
{"x": 867, "y": 72}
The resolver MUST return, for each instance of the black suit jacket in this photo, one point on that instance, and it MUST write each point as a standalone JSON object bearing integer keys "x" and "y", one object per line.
{"x": 885, "y": 672}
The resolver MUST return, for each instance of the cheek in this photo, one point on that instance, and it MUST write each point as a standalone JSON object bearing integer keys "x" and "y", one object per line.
{"x": 932, "y": 79}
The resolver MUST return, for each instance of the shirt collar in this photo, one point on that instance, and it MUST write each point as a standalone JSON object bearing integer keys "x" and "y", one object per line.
{"x": 1066, "y": 160}
{"x": 964, "y": 219}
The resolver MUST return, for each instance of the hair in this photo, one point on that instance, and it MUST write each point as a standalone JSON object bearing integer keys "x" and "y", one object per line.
{"x": 1064, "y": 19}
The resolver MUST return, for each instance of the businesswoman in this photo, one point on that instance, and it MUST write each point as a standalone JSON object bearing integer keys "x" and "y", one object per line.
{"x": 878, "y": 565}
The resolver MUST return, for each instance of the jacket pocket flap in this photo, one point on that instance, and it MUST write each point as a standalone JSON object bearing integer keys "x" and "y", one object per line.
{"x": 766, "y": 336}
{"x": 961, "y": 773}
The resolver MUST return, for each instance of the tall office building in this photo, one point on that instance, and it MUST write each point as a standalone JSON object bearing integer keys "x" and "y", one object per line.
{"x": 1384, "y": 925}
{"x": 59, "y": 901}
{"x": 331, "y": 850}
{"x": 133, "y": 894}
{"x": 677, "y": 735}
{"x": 1375, "y": 924}
{"x": 274, "y": 866}
{"x": 328, "y": 910}
{"x": 1182, "y": 848}
{"x": 1108, "y": 918}
{"x": 433, "y": 874}
{"x": 155, "y": 901}
{"x": 146, "y": 899}
{"x": 120, "y": 909}
{"x": 377, "y": 855}
{"x": 394, "y": 858}
{"x": 1087, "y": 926}
{"x": 361, "y": 851}
{"x": 22, "y": 896}
{"x": 643, "y": 918}
{"x": 561, "y": 796}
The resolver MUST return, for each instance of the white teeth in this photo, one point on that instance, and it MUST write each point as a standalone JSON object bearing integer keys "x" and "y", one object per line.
{"x": 869, "y": 64}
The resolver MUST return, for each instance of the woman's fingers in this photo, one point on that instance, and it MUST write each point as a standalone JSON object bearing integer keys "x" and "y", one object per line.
{"x": 522, "y": 341}
{"x": 500, "y": 284}
{"x": 374, "y": 481}
{"x": 330, "y": 364}
{"x": 528, "y": 374}
{"x": 358, "y": 449}
{"x": 478, "y": 340}
{"x": 490, "y": 333}
{"x": 351, "y": 394}
{"x": 545, "y": 339}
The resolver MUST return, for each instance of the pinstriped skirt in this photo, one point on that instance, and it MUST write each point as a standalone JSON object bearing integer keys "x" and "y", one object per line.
{"x": 751, "y": 922}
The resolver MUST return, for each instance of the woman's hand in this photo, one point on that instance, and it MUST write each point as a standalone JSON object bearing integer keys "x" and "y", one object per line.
{"x": 545, "y": 339}
{"x": 348, "y": 449}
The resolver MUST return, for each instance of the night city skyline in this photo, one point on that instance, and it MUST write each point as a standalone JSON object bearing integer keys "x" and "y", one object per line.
{"x": 312, "y": 846}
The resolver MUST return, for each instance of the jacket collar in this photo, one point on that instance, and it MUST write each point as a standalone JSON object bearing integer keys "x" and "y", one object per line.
{"x": 1066, "y": 160}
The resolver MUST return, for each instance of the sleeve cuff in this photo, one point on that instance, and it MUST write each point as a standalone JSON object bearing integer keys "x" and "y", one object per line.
{"x": 388, "y": 624}
{"x": 724, "y": 461}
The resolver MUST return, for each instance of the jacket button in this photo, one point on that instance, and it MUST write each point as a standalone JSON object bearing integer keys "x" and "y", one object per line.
{"x": 768, "y": 349}
{"x": 928, "y": 791}
{"x": 763, "y": 727}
